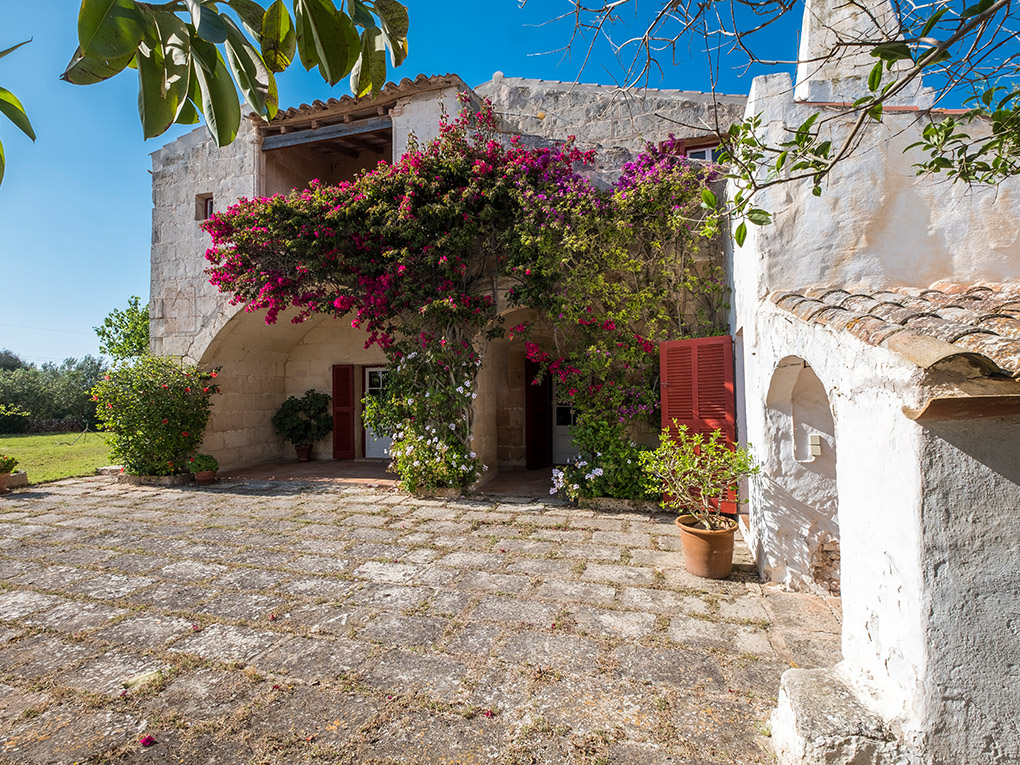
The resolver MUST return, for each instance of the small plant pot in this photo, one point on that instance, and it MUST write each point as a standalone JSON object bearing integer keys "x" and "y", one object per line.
{"x": 3, "y": 482}
{"x": 205, "y": 477}
{"x": 708, "y": 553}
{"x": 304, "y": 452}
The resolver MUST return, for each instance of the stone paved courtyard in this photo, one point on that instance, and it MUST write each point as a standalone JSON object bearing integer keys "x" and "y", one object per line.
{"x": 291, "y": 622}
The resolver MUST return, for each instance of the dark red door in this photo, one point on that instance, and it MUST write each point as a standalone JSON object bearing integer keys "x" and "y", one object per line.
{"x": 343, "y": 412}
{"x": 697, "y": 388}
{"x": 537, "y": 419}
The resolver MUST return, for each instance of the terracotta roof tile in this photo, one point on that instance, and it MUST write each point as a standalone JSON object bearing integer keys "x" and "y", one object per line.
{"x": 982, "y": 319}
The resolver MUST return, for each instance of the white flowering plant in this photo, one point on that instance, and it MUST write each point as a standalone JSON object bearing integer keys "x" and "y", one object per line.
{"x": 609, "y": 465}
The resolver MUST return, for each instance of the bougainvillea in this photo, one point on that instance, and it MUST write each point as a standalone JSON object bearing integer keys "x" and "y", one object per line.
{"x": 425, "y": 253}
{"x": 155, "y": 411}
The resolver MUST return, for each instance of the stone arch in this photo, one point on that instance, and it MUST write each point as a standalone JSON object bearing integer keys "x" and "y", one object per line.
{"x": 261, "y": 365}
{"x": 799, "y": 480}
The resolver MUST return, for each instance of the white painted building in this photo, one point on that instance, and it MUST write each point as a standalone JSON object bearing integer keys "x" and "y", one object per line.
{"x": 878, "y": 334}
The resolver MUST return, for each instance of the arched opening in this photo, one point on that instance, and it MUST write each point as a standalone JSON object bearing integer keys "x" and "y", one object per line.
{"x": 799, "y": 512}
{"x": 261, "y": 365}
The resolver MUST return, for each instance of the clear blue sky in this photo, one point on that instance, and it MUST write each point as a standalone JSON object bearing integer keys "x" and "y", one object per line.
{"x": 75, "y": 207}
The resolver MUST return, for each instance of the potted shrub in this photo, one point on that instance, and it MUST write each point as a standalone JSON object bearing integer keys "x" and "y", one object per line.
{"x": 7, "y": 464}
{"x": 203, "y": 467}
{"x": 696, "y": 473}
{"x": 303, "y": 421}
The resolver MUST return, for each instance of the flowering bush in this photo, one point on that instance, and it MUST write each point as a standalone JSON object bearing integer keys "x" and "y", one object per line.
{"x": 7, "y": 464}
{"x": 303, "y": 421}
{"x": 156, "y": 412}
{"x": 609, "y": 465}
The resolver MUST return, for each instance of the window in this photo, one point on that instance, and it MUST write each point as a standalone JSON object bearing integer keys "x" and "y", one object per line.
{"x": 707, "y": 153}
{"x": 204, "y": 206}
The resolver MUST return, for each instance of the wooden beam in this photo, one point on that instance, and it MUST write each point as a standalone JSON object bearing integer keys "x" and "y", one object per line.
{"x": 328, "y": 133}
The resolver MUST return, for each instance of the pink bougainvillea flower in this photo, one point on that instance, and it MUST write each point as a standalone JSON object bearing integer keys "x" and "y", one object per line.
{"x": 147, "y": 741}
{"x": 196, "y": 627}
{"x": 272, "y": 617}
{"x": 487, "y": 713}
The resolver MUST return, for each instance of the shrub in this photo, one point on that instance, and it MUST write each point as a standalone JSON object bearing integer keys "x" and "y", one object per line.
{"x": 7, "y": 464}
{"x": 696, "y": 472}
{"x": 13, "y": 419}
{"x": 202, "y": 462}
{"x": 304, "y": 420}
{"x": 156, "y": 412}
{"x": 609, "y": 465}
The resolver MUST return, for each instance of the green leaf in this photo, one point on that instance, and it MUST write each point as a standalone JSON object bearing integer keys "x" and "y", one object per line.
{"x": 219, "y": 101}
{"x": 891, "y": 51}
{"x": 332, "y": 35}
{"x": 14, "y": 48}
{"x": 188, "y": 114}
{"x": 208, "y": 24}
{"x": 875, "y": 112}
{"x": 360, "y": 14}
{"x": 85, "y": 70}
{"x": 3, "y": 162}
{"x": 15, "y": 112}
{"x": 369, "y": 72}
{"x": 278, "y": 38}
{"x": 204, "y": 53}
{"x": 781, "y": 160}
{"x": 875, "y": 78}
{"x": 250, "y": 13}
{"x": 816, "y": 190}
{"x": 709, "y": 198}
{"x": 931, "y": 22}
{"x": 305, "y": 38}
{"x": 759, "y": 217}
{"x": 976, "y": 9}
{"x": 110, "y": 28}
{"x": 248, "y": 69}
{"x": 394, "y": 17}
{"x": 740, "y": 234}
{"x": 155, "y": 110}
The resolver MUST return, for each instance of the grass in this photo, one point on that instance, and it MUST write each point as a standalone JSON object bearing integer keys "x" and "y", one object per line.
{"x": 50, "y": 457}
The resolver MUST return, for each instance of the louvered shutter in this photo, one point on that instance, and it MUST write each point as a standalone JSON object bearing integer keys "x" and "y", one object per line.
{"x": 343, "y": 412}
{"x": 697, "y": 389}
{"x": 697, "y": 385}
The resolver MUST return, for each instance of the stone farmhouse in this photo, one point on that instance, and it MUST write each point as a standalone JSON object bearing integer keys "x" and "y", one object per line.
{"x": 876, "y": 335}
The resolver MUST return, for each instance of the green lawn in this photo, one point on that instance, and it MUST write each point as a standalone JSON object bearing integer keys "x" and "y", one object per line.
{"x": 50, "y": 457}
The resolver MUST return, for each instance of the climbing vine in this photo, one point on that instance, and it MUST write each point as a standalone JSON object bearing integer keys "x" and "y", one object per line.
{"x": 425, "y": 254}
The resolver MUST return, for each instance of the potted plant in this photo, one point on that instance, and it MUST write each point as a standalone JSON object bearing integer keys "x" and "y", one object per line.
{"x": 303, "y": 421}
{"x": 7, "y": 464}
{"x": 203, "y": 467}
{"x": 696, "y": 473}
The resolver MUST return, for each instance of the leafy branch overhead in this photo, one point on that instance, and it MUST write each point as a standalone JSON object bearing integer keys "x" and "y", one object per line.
{"x": 11, "y": 108}
{"x": 193, "y": 57}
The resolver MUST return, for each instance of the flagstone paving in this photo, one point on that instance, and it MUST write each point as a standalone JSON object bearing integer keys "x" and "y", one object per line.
{"x": 278, "y": 622}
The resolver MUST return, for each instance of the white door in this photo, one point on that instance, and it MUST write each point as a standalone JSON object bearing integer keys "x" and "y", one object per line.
{"x": 375, "y": 382}
{"x": 564, "y": 418}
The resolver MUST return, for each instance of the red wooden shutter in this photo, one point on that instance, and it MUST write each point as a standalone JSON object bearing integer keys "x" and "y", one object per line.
{"x": 697, "y": 385}
{"x": 697, "y": 389}
{"x": 343, "y": 412}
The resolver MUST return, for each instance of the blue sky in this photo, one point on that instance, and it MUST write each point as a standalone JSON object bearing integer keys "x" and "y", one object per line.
{"x": 75, "y": 207}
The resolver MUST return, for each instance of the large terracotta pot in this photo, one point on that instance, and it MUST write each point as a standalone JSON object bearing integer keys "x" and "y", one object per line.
{"x": 3, "y": 482}
{"x": 205, "y": 477}
{"x": 708, "y": 553}
{"x": 303, "y": 451}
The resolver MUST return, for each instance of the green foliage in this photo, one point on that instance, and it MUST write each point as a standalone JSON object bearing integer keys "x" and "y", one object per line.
{"x": 202, "y": 462}
{"x": 7, "y": 464}
{"x": 695, "y": 472}
{"x": 12, "y": 108}
{"x": 13, "y": 418}
{"x": 303, "y": 421}
{"x": 125, "y": 334}
{"x": 52, "y": 392}
{"x": 9, "y": 361}
{"x": 156, "y": 412}
{"x": 609, "y": 465}
{"x": 182, "y": 71}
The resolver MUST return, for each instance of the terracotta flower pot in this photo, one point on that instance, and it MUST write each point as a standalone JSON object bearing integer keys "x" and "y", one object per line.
{"x": 205, "y": 477}
{"x": 3, "y": 482}
{"x": 708, "y": 553}
{"x": 304, "y": 452}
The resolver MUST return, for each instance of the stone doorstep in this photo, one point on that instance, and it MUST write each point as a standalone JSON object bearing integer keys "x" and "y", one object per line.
{"x": 820, "y": 720}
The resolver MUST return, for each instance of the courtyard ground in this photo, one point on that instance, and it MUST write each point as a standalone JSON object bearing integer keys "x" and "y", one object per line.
{"x": 279, "y": 622}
